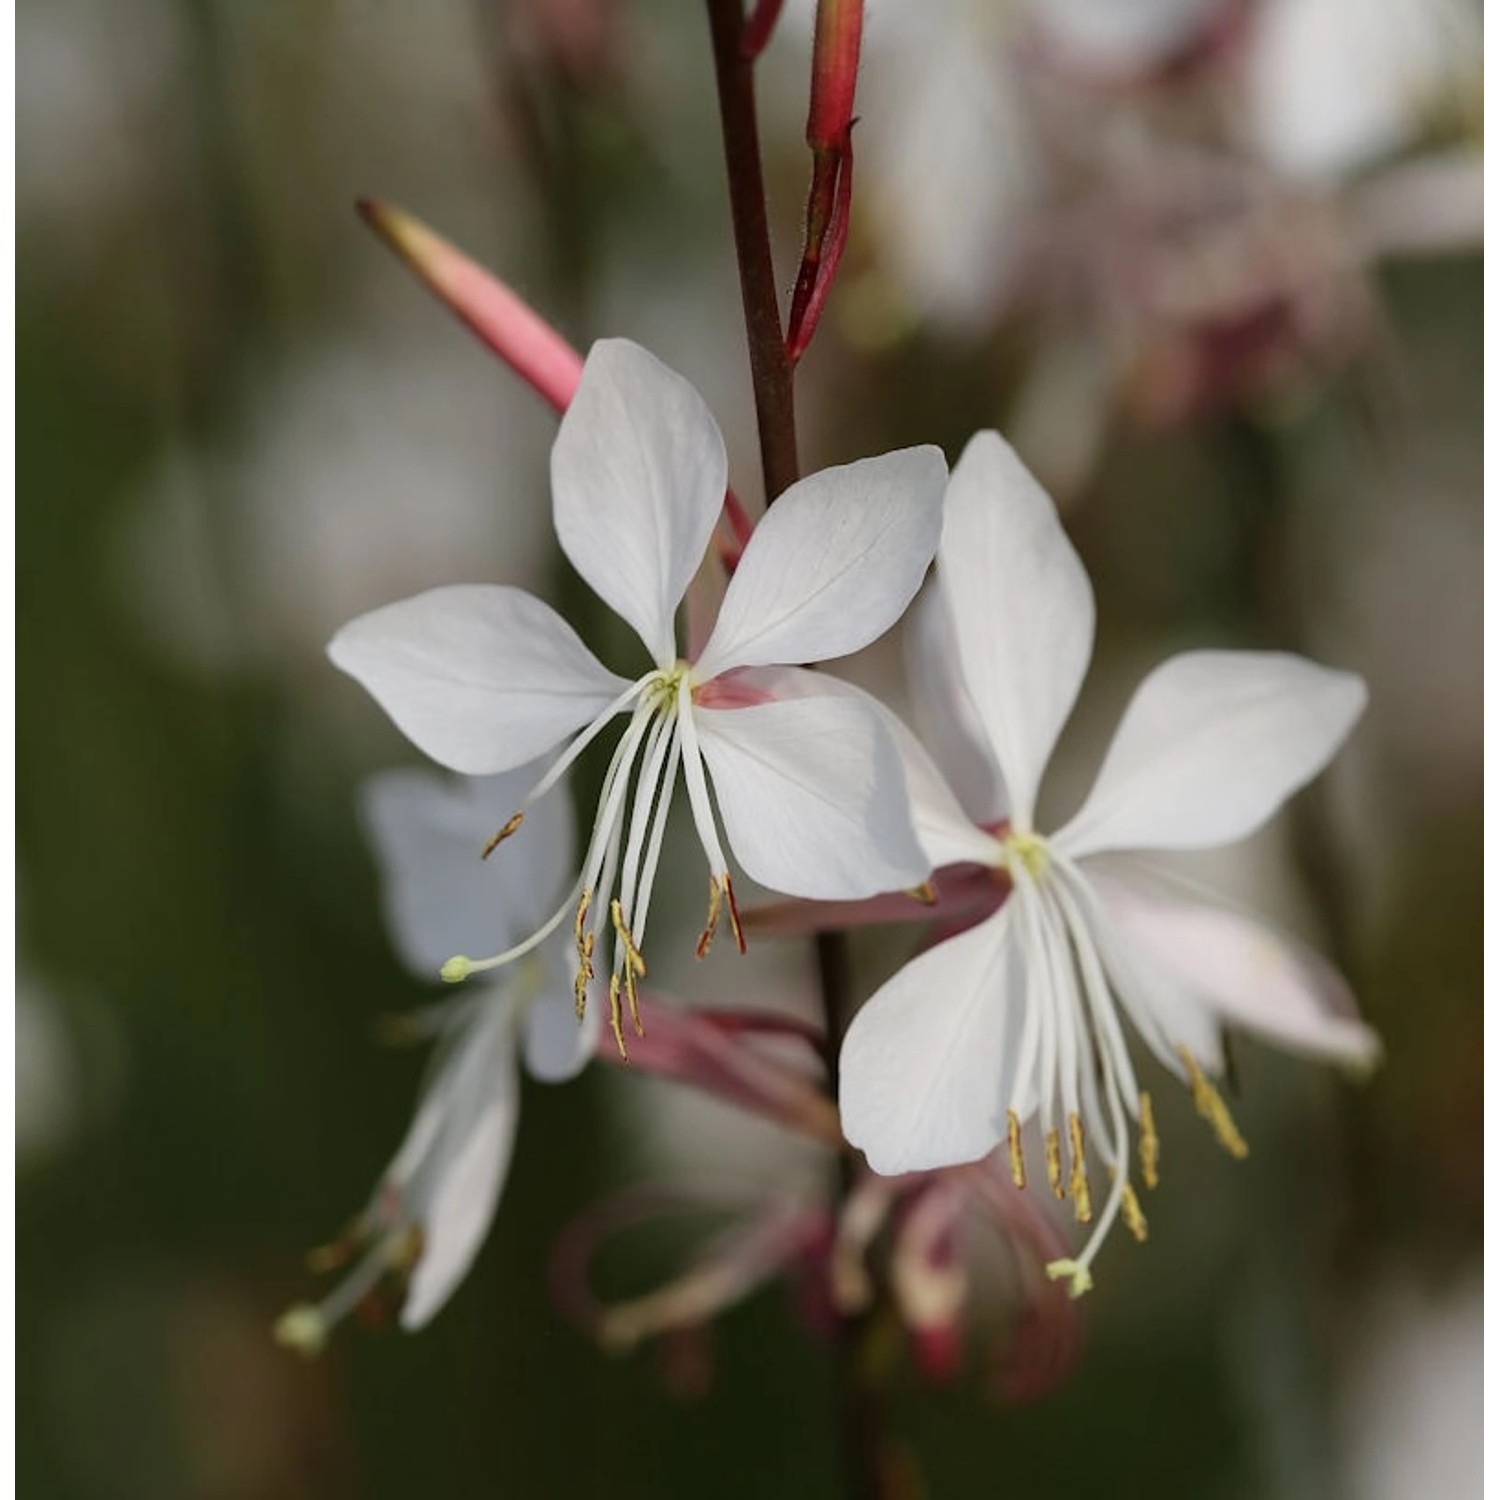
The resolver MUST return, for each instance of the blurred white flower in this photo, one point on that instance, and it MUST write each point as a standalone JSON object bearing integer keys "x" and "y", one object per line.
{"x": 1019, "y": 1015}
{"x": 96, "y": 102}
{"x": 1332, "y": 86}
{"x": 363, "y": 469}
{"x": 47, "y": 1083}
{"x": 435, "y": 1202}
{"x": 808, "y": 785}
{"x": 1412, "y": 1411}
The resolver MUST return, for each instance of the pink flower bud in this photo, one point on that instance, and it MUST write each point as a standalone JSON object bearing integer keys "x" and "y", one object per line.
{"x": 529, "y": 345}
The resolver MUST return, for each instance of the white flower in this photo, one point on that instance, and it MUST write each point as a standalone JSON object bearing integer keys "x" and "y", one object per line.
{"x": 1020, "y": 1016}
{"x": 433, "y": 1205}
{"x": 809, "y": 786}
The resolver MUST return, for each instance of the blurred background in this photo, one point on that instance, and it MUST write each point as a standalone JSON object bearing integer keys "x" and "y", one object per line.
{"x": 1214, "y": 265}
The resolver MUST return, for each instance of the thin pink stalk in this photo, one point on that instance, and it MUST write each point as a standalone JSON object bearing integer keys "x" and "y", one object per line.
{"x": 684, "y": 1045}
{"x": 526, "y": 342}
{"x": 530, "y": 345}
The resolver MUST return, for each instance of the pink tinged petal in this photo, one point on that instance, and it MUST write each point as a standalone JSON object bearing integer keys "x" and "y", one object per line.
{"x": 480, "y": 677}
{"x": 813, "y": 797}
{"x": 922, "y": 1071}
{"x": 832, "y": 565}
{"x": 1211, "y": 745}
{"x": 1430, "y": 205}
{"x": 440, "y": 897}
{"x": 1248, "y": 975}
{"x": 955, "y": 897}
{"x": 638, "y": 479}
{"x": 1164, "y": 1011}
{"x": 458, "y": 1187}
{"x": 946, "y": 718}
{"x": 556, "y": 1043}
{"x": 1023, "y": 610}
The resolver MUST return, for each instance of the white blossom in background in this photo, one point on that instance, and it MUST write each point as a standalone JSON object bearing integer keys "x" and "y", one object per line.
{"x": 1020, "y": 1016}
{"x": 364, "y": 468}
{"x": 434, "y": 1204}
{"x": 809, "y": 786}
{"x": 1333, "y": 86}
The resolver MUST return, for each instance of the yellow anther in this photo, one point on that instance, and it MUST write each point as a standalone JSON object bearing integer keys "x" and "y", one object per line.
{"x": 505, "y": 833}
{"x": 1130, "y": 1206}
{"x": 734, "y": 913}
{"x": 711, "y": 922}
{"x": 926, "y": 893}
{"x": 1054, "y": 1164}
{"x": 1150, "y": 1144}
{"x": 581, "y": 981}
{"x": 1074, "y": 1272}
{"x": 1211, "y": 1107}
{"x": 1013, "y": 1141}
{"x": 615, "y": 1025}
{"x": 580, "y": 938}
{"x": 1078, "y": 1181}
{"x": 634, "y": 963}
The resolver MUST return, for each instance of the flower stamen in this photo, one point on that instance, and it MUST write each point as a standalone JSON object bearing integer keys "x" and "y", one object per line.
{"x": 616, "y": 1025}
{"x": 1078, "y": 1181}
{"x": 634, "y": 965}
{"x": 1211, "y": 1106}
{"x": 496, "y": 839}
{"x": 1013, "y": 1144}
{"x": 711, "y": 922}
{"x": 1135, "y": 1220}
{"x": 1054, "y": 1164}
{"x": 1150, "y": 1144}
{"x": 734, "y": 912}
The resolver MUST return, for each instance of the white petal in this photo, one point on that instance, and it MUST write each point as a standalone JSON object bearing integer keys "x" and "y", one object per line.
{"x": 1247, "y": 974}
{"x": 1212, "y": 744}
{"x": 478, "y": 676}
{"x": 947, "y": 834}
{"x": 1164, "y": 1011}
{"x": 922, "y": 1070}
{"x": 638, "y": 480}
{"x": 813, "y": 797}
{"x": 832, "y": 565}
{"x": 460, "y": 1186}
{"x": 557, "y": 1043}
{"x": 947, "y": 720}
{"x": 1022, "y": 608}
{"x": 440, "y": 897}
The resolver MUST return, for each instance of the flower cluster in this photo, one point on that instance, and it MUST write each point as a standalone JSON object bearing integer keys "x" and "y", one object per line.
{"x": 1011, "y": 1033}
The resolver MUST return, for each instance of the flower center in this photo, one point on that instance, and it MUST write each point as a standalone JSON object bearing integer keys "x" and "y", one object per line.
{"x": 1028, "y": 850}
{"x": 1073, "y": 1068}
{"x": 612, "y": 894}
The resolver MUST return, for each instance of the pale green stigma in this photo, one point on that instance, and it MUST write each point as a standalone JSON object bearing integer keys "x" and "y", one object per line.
{"x": 457, "y": 969}
{"x": 1076, "y": 1273}
{"x": 302, "y": 1328}
{"x": 1027, "y": 850}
